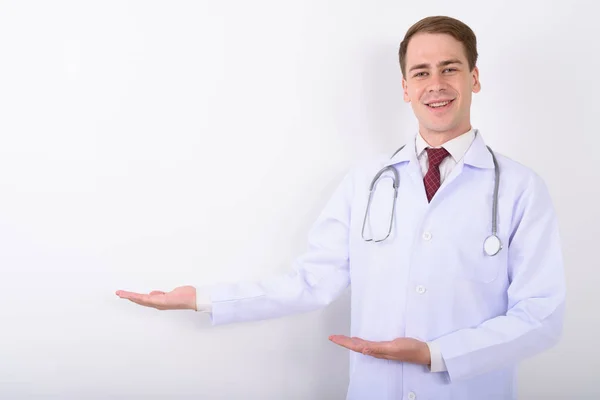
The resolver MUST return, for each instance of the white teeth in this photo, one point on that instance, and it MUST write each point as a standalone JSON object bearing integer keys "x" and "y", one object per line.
{"x": 441, "y": 104}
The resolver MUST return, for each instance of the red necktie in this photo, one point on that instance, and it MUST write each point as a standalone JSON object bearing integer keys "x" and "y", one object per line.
{"x": 432, "y": 177}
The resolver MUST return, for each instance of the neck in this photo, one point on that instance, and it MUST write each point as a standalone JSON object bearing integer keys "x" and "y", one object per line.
{"x": 437, "y": 138}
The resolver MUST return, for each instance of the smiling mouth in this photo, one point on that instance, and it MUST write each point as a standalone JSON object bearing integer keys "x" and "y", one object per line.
{"x": 440, "y": 104}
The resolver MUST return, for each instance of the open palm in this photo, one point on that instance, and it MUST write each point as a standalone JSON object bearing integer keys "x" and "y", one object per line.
{"x": 180, "y": 298}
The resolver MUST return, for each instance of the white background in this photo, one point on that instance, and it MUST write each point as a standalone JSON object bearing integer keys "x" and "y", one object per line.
{"x": 146, "y": 145}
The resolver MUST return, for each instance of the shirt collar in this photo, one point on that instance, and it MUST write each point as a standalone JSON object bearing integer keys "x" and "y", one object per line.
{"x": 469, "y": 145}
{"x": 457, "y": 147}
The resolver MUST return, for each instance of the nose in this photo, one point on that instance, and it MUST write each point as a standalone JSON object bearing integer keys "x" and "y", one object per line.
{"x": 436, "y": 84}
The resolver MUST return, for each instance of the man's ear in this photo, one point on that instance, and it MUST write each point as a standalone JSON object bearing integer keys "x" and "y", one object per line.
{"x": 476, "y": 82}
{"x": 405, "y": 90}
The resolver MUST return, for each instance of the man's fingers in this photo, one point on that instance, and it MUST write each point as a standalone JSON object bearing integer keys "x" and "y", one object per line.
{"x": 141, "y": 303}
{"x": 141, "y": 299}
{"x": 354, "y": 344}
{"x": 399, "y": 349}
{"x": 126, "y": 295}
{"x": 131, "y": 295}
{"x": 374, "y": 349}
{"x": 342, "y": 340}
{"x": 152, "y": 305}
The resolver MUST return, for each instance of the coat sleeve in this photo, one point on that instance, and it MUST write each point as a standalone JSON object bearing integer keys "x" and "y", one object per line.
{"x": 536, "y": 296}
{"x": 317, "y": 277}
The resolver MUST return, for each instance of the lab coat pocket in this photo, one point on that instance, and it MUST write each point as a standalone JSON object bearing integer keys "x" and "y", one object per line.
{"x": 470, "y": 262}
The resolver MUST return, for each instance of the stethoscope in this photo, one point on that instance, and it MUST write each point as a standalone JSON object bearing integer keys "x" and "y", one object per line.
{"x": 491, "y": 245}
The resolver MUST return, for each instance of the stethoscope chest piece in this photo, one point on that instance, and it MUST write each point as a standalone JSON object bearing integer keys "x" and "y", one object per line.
{"x": 492, "y": 245}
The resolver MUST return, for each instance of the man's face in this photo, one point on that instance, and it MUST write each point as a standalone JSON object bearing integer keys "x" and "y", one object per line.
{"x": 438, "y": 83}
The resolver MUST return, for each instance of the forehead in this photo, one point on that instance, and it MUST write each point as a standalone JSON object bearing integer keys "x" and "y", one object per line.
{"x": 433, "y": 47}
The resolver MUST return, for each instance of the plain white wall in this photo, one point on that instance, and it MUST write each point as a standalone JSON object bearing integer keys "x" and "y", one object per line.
{"x": 146, "y": 145}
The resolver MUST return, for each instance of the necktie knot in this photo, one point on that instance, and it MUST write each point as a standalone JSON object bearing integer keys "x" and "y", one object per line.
{"x": 436, "y": 156}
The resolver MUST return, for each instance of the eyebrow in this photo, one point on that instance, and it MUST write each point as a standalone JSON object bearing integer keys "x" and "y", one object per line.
{"x": 440, "y": 64}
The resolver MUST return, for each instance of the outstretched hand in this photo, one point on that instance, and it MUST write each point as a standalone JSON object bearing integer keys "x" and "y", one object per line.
{"x": 401, "y": 349}
{"x": 181, "y": 298}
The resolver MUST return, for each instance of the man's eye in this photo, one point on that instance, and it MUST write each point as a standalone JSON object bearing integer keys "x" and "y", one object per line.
{"x": 420, "y": 74}
{"x": 450, "y": 70}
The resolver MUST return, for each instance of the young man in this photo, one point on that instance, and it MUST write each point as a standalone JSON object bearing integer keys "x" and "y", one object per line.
{"x": 452, "y": 286}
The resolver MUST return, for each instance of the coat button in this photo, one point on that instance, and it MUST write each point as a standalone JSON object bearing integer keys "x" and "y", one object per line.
{"x": 427, "y": 236}
{"x": 421, "y": 289}
{"x": 412, "y": 396}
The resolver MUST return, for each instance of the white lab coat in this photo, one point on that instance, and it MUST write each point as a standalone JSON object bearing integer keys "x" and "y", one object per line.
{"x": 430, "y": 279}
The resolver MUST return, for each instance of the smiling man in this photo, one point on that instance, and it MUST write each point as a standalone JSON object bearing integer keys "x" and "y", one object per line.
{"x": 455, "y": 283}
{"x": 439, "y": 76}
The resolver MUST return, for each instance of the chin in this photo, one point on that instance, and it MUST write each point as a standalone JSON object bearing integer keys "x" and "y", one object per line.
{"x": 443, "y": 124}
{"x": 439, "y": 127}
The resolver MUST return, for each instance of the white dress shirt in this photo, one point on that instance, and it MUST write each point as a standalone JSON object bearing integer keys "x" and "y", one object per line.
{"x": 457, "y": 148}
